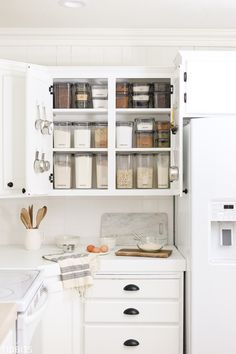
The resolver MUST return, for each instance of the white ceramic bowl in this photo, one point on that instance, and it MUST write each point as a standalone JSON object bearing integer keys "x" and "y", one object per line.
{"x": 151, "y": 243}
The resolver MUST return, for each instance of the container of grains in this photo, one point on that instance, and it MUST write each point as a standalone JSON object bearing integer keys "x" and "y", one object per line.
{"x": 124, "y": 171}
{"x": 144, "y": 124}
{"x": 163, "y": 162}
{"x": 124, "y": 135}
{"x": 144, "y": 171}
{"x": 82, "y": 95}
{"x": 122, "y": 87}
{"x": 83, "y": 170}
{"x": 62, "y": 171}
{"x": 102, "y": 171}
{"x": 62, "y": 135}
{"x": 82, "y": 134}
{"x": 144, "y": 139}
{"x": 62, "y": 95}
{"x": 100, "y": 135}
{"x": 122, "y": 100}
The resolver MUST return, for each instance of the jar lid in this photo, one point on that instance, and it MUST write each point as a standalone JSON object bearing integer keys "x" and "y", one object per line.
{"x": 137, "y": 120}
{"x": 101, "y": 124}
{"x": 62, "y": 123}
{"x": 100, "y": 87}
{"x": 124, "y": 124}
{"x": 89, "y": 154}
{"x": 141, "y": 84}
{"x": 82, "y": 124}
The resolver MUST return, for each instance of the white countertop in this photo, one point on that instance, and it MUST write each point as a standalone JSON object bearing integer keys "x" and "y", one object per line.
{"x": 15, "y": 257}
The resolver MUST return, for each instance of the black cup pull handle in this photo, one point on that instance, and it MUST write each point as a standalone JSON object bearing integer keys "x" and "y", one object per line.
{"x": 131, "y": 311}
{"x": 10, "y": 184}
{"x": 131, "y": 343}
{"x": 131, "y": 287}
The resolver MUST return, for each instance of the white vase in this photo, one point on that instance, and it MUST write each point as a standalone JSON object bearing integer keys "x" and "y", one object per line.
{"x": 33, "y": 239}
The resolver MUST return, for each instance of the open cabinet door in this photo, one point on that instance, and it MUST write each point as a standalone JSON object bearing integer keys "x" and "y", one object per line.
{"x": 39, "y": 140}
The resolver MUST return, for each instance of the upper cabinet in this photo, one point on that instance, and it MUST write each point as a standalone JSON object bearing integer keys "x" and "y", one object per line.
{"x": 207, "y": 82}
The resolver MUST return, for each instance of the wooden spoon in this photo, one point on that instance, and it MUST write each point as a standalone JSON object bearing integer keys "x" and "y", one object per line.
{"x": 31, "y": 215}
{"x": 45, "y": 209}
{"x": 39, "y": 217}
{"x": 26, "y": 216}
{"x": 23, "y": 220}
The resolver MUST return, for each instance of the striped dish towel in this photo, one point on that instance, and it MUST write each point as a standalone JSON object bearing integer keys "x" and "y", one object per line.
{"x": 76, "y": 269}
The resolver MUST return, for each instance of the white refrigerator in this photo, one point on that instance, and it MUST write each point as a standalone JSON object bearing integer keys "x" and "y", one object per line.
{"x": 206, "y": 234}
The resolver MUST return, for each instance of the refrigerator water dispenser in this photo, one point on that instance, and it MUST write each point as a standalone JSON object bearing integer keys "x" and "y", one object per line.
{"x": 222, "y": 245}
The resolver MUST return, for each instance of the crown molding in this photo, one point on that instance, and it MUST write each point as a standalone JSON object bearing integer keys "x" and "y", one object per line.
{"x": 117, "y": 37}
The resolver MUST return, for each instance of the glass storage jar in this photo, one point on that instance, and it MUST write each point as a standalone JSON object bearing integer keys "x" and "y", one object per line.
{"x": 144, "y": 139}
{"x": 124, "y": 171}
{"x": 82, "y": 134}
{"x": 83, "y": 170}
{"x": 100, "y": 135}
{"x": 82, "y": 95}
{"x": 124, "y": 135}
{"x": 144, "y": 171}
{"x": 62, "y": 135}
{"x": 62, "y": 171}
{"x": 163, "y": 162}
{"x": 144, "y": 124}
{"x": 102, "y": 170}
{"x": 62, "y": 95}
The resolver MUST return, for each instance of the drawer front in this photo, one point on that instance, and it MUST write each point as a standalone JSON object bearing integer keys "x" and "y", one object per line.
{"x": 131, "y": 311}
{"x": 134, "y": 288}
{"x": 150, "y": 339}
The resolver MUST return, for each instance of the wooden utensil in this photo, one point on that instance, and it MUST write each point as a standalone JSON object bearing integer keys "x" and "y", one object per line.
{"x": 45, "y": 209}
{"x": 23, "y": 220}
{"x": 40, "y": 215}
{"x": 138, "y": 253}
{"x": 26, "y": 216}
{"x": 31, "y": 215}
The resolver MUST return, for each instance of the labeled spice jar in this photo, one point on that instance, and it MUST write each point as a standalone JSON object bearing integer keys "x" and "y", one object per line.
{"x": 144, "y": 171}
{"x": 124, "y": 171}
{"x": 144, "y": 139}
{"x": 122, "y": 87}
{"x": 124, "y": 135}
{"x": 83, "y": 171}
{"x": 82, "y": 95}
{"x": 122, "y": 100}
{"x": 100, "y": 135}
{"x": 82, "y": 134}
{"x": 99, "y": 91}
{"x": 140, "y": 101}
{"x": 102, "y": 171}
{"x": 62, "y": 135}
{"x": 141, "y": 87}
{"x": 62, "y": 171}
{"x": 62, "y": 95}
{"x": 163, "y": 162}
{"x": 146, "y": 124}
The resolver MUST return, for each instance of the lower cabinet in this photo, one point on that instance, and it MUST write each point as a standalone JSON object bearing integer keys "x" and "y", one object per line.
{"x": 139, "y": 314}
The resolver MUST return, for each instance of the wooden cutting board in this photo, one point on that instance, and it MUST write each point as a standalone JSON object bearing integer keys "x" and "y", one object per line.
{"x": 138, "y": 253}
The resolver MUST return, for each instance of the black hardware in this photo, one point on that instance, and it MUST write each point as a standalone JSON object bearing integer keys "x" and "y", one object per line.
{"x": 185, "y": 76}
{"x": 174, "y": 129}
{"x": 131, "y": 287}
{"x": 23, "y": 190}
{"x": 185, "y": 191}
{"x": 185, "y": 97}
{"x": 131, "y": 311}
{"x": 51, "y": 177}
{"x": 171, "y": 89}
{"x": 10, "y": 184}
{"x": 51, "y": 89}
{"x": 131, "y": 343}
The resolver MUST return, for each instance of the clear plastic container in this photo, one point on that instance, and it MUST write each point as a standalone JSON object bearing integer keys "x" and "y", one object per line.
{"x": 124, "y": 135}
{"x": 82, "y": 95}
{"x": 163, "y": 162}
{"x": 99, "y": 91}
{"x": 144, "y": 139}
{"x": 141, "y": 87}
{"x": 146, "y": 124}
{"x": 102, "y": 171}
{"x": 62, "y": 135}
{"x": 144, "y": 171}
{"x": 100, "y": 135}
{"x": 122, "y": 100}
{"x": 162, "y": 126}
{"x": 100, "y": 103}
{"x": 82, "y": 135}
{"x": 140, "y": 101}
{"x": 83, "y": 170}
{"x": 161, "y": 100}
{"x": 62, "y": 95}
{"x": 161, "y": 87}
{"x": 122, "y": 87}
{"x": 62, "y": 171}
{"x": 124, "y": 171}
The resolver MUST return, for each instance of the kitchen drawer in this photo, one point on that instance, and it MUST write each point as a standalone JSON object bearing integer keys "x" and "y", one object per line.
{"x": 143, "y": 288}
{"x": 151, "y": 339}
{"x": 136, "y": 312}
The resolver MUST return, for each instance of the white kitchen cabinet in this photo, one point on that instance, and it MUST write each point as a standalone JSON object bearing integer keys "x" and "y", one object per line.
{"x": 143, "y": 314}
{"x": 8, "y": 345}
{"x": 207, "y": 80}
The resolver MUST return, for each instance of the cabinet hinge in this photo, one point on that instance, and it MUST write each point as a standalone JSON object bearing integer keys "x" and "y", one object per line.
{"x": 51, "y": 89}
{"x": 171, "y": 89}
{"x": 51, "y": 179}
{"x": 185, "y": 76}
{"x": 185, "y": 97}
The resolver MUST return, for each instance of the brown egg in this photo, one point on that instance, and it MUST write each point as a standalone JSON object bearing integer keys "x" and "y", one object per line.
{"x": 96, "y": 250}
{"x": 104, "y": 248}
{"x": 90, "y": 248}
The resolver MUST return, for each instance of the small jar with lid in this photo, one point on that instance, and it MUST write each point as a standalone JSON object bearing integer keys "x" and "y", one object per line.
{"x": 82, "y": 134}
{"x": 82, "y": 95}
{"x": 124, "y": 171}
{"x": 102, "y": 171}
{"x": 144, "y": 139}
{"x": 144, "y": 171}
{"x": 124, "y": 135}
{"x": 144, "y": 124}
{"x": 100, "y": 135}
{"x": 62, "y": 95}
{"x": 62, "y": 135}
{"x": 62, "y": 171}
{"x": 83, "y": 170}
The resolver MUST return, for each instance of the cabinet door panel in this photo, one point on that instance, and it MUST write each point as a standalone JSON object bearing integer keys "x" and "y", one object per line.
{"x": 38, "y": 106}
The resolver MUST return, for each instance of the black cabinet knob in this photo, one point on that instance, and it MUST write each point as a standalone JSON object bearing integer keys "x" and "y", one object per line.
{"x": 131, "y": 287}
{"x": 23, "y": 190}
{"x": 10, "y": 184}
{"x": 131, "y": 343}
{"x": 131, "y": 311}
{"x": 185, "y": 191}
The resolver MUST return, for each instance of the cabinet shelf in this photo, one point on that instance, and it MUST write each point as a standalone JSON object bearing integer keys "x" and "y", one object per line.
{"x": 134, "y": 150}
{"x": 143, "y": 110}
{"x": 74, "y": 150}
{"x": 77, "y": 111}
